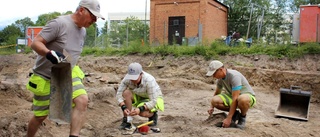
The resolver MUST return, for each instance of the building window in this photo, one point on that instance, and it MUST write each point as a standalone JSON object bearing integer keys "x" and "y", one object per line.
{"x": 175, "y": 22}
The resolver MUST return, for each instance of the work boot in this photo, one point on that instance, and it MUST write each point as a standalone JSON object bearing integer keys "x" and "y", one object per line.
{"x": 154, "y": 118}
{"x": 236, "y": 116}
{"x": 124, "y": 123}
{"x": 242, "y": 122}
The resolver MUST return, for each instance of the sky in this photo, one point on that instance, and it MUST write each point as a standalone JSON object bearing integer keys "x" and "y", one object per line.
{"x": 13, "y": 10}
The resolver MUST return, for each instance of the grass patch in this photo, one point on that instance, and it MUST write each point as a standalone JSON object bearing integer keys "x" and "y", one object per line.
{"x": 7, "y": 51}
{"x": 208, "y": 52}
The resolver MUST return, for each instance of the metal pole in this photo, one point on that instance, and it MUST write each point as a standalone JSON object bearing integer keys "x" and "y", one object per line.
{"x": 249, "y": 21}
{"x": 145, "y": 23}
{"x": 260, "y": 24}
{"x": 26, "y": 36}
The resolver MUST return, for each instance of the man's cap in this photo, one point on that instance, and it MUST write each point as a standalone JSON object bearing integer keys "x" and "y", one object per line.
{"x": 213, "y": 66}
{"x": 93, "y": 6}
{"x": 134, "y": 71}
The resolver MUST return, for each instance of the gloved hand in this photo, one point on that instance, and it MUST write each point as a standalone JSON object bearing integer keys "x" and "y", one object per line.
{"x": 54, "y": 56}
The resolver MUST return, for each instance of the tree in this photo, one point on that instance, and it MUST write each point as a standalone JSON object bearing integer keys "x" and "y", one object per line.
{"x": 67, "y": 13}
{"x": 10, "y": 34}
{"x": 131, "y": 25}
{"x": 44, "y": 18}
{"x": 92, "y": 34}
{"x": 294, "y": 5}
{"x": 238, "y": 15}
{"x": 242, "y": 12}
{"x": 276, "y": 22}
{"x": 135, "y": 28}
{"x": 24, "y": 23}
{"x": 114, "y": 35}
{"x": 245, "y": 16}
{"x": 104, "y": 30}
{"x": 103, "y": 39}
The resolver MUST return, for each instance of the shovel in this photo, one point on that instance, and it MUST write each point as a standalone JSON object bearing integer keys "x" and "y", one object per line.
{"x": 294, "y": 103}
{"x": 61, "y": 92}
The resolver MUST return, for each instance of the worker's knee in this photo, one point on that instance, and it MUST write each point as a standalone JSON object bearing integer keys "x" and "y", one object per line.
{"x": 40, "y": 119}
{"x": 81, "y": 102}
{"x": 243, "y": 100}
{"x": 217, "y": 101}
{"x": 127, "y": 94}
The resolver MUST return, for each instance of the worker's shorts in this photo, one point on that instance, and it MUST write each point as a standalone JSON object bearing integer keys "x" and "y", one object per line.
{"x": 139, "y": 101}
{"x": 41, "y": 90}
{"x": 227, "y": 99}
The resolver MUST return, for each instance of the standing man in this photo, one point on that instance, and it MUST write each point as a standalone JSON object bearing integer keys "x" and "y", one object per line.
{"x": 140, "y": 90}
{"x": 239, "y": 94}
{"x": 63, "y": 33}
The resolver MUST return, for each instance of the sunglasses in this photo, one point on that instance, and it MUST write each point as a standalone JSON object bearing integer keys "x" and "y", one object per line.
{"x": 91, "y": 15}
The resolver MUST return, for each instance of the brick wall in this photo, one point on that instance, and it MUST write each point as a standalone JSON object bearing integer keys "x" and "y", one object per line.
{"x": 210, "y": 13}
{"x": 215, "y": 24}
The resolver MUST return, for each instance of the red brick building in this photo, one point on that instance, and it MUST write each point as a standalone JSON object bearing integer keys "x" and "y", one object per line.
{"x": 177, "y": 21}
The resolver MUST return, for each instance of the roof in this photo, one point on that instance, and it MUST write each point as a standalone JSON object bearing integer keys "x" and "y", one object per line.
{"x": 221, "y": 3}
{"x": 310, "y": 5}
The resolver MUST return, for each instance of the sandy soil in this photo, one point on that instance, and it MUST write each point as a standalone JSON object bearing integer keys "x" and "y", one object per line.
{"x": 186, "y": 90}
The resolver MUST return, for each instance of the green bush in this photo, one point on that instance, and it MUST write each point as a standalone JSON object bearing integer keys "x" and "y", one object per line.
{"x": 311, "y": 48}
{"x": 208, "y": 52}
{"x": 220, "y": 48}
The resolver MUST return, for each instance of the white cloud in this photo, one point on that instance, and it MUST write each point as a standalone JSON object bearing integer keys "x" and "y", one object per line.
{"x": 13, "y": 10}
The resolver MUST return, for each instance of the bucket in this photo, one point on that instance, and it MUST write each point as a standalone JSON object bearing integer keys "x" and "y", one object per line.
{"x": 61, "y": 93}
{"x": 294, "y": 103}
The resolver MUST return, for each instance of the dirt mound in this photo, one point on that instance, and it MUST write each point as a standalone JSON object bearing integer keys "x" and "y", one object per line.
{"x": 186, "y": 90}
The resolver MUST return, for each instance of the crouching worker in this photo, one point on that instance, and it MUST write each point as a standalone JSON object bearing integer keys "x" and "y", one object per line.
{"x": 139, "y": 94}
{"x": 239, "y": 94}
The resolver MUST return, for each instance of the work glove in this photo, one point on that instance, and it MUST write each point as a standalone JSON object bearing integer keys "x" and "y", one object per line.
{"x": 55, "y": 57}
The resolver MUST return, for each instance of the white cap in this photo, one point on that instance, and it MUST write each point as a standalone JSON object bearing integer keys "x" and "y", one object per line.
{"x": 93, "y": 6}
{"x": 134, "y": 71}
{"x": 213, "y": 66}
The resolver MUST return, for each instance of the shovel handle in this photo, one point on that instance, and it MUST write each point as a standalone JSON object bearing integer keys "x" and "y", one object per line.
{"x": 144, "y": 124}
{"x": 295, "y": 88}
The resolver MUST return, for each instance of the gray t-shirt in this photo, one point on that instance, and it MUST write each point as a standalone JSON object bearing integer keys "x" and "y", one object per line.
{"x": 234, "y": 80}
{"x": 60, "y": 33}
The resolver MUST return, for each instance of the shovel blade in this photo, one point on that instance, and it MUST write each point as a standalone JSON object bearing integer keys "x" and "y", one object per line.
{"x": 293, "y": 104}
{"x": 61, "y": 93}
